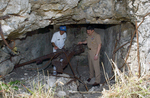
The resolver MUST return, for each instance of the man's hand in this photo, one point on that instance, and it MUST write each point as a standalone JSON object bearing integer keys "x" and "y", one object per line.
{"x": 80, "y": 43}
{"x": 96, "y": 57}
{"x": 56, "y": 47}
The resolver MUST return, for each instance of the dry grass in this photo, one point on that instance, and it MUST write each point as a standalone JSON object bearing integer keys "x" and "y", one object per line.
{"x": 37, "y": 91}
{"x": 128, "y": 86}
{"x": 36, "y": 88}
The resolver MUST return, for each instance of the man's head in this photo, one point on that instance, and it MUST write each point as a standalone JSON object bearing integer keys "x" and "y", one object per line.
{"x": 62, "y": 29}
{"x": 90, "y": 30}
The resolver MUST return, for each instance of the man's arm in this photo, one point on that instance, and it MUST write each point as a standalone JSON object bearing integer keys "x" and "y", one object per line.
{"x": 54, "y": 38}
{"x": 55, "y": 47}
{"x": 65, "y": 39}
{"x": 97, "y": 52}
{"x": 84, "y": 42}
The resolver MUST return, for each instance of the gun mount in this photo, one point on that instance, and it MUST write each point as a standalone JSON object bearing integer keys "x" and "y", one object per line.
{"x": 60, "y": 59}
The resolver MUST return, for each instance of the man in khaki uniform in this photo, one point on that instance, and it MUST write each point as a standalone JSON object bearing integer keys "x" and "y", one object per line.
{"x": 93, "y": 42}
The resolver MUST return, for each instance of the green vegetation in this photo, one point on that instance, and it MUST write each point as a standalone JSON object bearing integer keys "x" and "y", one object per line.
{"x": 10, "y": 90}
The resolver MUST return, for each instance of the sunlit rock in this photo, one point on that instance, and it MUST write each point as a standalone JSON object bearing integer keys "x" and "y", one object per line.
{"x": 6, "y": 65}
{"x": 61, "y": 94}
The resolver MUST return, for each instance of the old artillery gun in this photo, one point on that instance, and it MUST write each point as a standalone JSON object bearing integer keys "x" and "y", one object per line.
{"x": 60, "y": 59}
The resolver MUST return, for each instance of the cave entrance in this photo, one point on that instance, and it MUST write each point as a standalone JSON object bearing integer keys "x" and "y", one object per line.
{"x": 38, "y": 43}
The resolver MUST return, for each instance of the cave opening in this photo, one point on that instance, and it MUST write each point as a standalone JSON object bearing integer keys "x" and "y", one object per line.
{"x": 38, "y": 43}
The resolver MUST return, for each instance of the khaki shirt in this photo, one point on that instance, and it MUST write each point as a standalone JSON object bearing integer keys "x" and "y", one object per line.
{"x": 93, "y": 41}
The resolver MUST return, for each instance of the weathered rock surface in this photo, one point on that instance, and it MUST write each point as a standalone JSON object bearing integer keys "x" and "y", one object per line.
{"x": 28, "y": 48}
{"x": 6, "y": 65}
{"x": 138, "y": 9}
{"x": 29, "y": 15}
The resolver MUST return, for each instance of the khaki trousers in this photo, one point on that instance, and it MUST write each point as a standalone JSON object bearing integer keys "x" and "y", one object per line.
{"x": 94, "y": 66}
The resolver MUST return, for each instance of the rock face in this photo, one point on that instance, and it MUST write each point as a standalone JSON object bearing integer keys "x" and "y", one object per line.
{"x": 6, "y": 65}
{"x": 29, "y": 15}
{"x": 34, "y": 45}
{"x": 140, "y": 9}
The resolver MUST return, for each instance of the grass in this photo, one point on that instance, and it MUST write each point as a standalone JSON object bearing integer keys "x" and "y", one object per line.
{"x": 32, "y": 90}
{"x": 37, "y": 91}
{"x": 128, "y": 86}
{"x": 133, "y": 88}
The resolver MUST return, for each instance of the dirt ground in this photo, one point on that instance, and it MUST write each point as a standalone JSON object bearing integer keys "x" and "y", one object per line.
{"x": 80, "y": 71}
